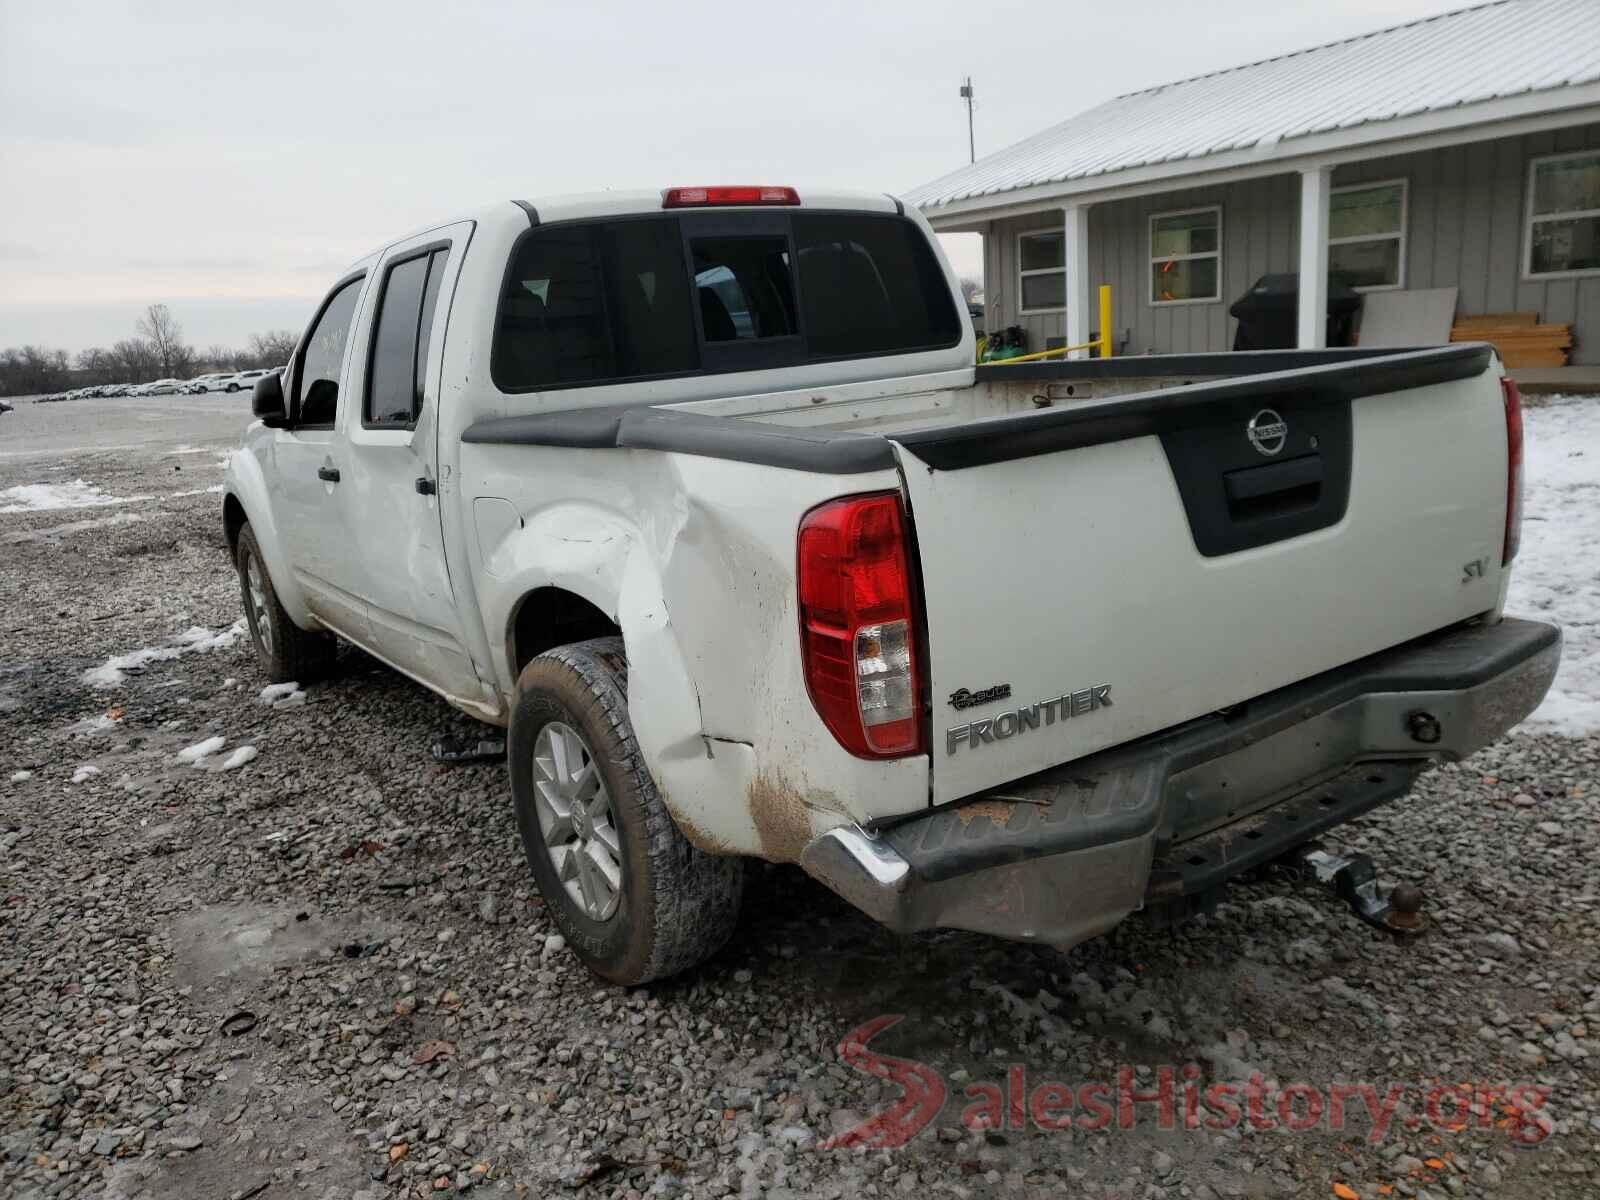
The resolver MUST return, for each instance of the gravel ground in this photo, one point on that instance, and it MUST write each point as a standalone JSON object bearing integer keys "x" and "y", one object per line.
{"x": 415, "y": 1026}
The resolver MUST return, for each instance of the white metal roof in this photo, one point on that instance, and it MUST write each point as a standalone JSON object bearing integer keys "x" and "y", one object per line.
{"x": 1510, "y": 48}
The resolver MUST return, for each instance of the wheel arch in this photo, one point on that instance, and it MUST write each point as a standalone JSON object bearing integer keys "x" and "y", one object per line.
{"x": 548, "y": 616}
{"x": 596, "y": 577}
{"x": 245, "y": 500}
{"x": 233, "y": 520}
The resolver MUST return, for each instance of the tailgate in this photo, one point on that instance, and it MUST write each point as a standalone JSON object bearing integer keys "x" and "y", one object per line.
{"x": 1099, "y": 572}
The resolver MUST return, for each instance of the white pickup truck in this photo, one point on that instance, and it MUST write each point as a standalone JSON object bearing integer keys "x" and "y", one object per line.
{"x": 699, "y": 494}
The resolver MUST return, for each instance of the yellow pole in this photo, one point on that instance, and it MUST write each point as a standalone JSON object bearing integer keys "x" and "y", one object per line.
{"x": 1038, "y": 354}
{"x": 1105, "y": 320}
{"x": 1102, "y": 344}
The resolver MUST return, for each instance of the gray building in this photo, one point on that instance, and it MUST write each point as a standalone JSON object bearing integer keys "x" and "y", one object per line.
{"x": 1462, "y": 151}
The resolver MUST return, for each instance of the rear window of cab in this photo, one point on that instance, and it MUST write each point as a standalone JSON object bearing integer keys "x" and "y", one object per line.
{"x": 649, "y": 297}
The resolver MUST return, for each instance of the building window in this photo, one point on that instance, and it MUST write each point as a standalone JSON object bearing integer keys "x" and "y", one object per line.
{"x": 1367, "y": 235}
{"x": 1186, "y": 256}
{"x": 1564, "y": 214}
{"x": 1042, "y": 270}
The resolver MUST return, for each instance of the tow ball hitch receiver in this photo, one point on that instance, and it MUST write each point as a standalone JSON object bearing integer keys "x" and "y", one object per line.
{"x": 1355, "y": 881}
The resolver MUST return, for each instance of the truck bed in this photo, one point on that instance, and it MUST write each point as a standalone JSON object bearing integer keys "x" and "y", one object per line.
{"x": 1108, "y": 545}
{"x": 1003, "y": 412}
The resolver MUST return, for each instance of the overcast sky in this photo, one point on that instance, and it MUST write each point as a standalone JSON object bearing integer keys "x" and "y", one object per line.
{"x": 230, "y": 160}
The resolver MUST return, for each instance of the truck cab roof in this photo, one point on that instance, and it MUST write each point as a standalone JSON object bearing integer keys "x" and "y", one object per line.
{"x": 519, "y": 214}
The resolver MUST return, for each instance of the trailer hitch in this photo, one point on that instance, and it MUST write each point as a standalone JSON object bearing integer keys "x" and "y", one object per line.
{"x": 1354, "y": 880}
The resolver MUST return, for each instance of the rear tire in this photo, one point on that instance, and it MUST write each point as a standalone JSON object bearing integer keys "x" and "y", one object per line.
{"x": 285, "y": 651}
{"x": 634, "y": 900}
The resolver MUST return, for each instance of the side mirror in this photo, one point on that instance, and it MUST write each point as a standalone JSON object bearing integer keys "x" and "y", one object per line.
{"x": 267, "y": 401}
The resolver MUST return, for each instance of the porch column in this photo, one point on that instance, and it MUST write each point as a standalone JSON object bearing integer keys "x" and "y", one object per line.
{"x": 1314, "y": 258}
{"x": 991, "y": 276}
{"x": 1079, "y": 305}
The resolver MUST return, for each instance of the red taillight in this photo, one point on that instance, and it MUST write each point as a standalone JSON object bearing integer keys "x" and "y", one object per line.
{"x": 858, "y": 634}
{"x": 1513, "y": 400}
{"x": 710, "y": 197}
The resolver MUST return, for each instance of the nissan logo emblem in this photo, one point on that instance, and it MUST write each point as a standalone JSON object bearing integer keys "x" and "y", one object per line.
{"x": 1267, "y": 432}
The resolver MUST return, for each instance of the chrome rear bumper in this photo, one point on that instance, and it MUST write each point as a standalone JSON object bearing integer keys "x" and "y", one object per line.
{"x": 1066, "y": 854}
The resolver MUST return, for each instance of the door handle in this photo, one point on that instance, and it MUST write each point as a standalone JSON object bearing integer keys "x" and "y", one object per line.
{"x": 425, "y": 486}
{"x": 330, "y": 474}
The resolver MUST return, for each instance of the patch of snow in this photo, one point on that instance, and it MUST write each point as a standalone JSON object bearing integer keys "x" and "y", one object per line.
{"x": 200, "y": 750}
{"x": 100, "y": 723}
{"x": 112, "y": 672}
{"x": 185, "y": 448}
{"x": 1554, "y": 577}
{"x": 194, "y": 640}
{"x": 282, "y": 695}
{"x": 83, "y": 772}
{"x": 239, "y": 757}
{"x": 19, "y": 776}
{"x": 42, "y": 497}
{"x": 194, "y": 492}
{"x": 55, "y": 531}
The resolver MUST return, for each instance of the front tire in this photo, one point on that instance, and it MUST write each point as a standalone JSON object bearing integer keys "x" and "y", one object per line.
{"x": 632, "y": 897}
{"x": 285, "y": 651}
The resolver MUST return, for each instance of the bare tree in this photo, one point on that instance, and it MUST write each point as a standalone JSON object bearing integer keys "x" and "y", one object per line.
{"x": 272, "y": 349}
{"x": 33, "y": 369}
{"x": 161, "y": 330}
{"x": 97, "y": 365}
{"x": 218, "y": 356}
{"x": 970, "y": 287}
{"x": 135, "y": 360}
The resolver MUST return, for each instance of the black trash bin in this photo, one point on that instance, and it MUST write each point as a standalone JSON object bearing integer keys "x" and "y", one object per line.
{"x": 1268, "y": 313}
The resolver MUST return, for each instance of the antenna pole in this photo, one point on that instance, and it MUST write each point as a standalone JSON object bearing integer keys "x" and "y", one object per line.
{"x": 966, "y": 94}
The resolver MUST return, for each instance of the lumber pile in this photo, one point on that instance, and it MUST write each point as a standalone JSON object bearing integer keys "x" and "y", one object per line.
{"x": 1518, "y": 338}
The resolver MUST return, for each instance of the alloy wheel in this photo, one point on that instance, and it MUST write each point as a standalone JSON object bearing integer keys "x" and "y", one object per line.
{"x": 576, "y": 821}
{"x": 260, "y": 621}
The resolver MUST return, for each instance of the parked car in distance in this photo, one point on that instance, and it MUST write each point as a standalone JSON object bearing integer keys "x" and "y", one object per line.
{"x": 243, "y": 381}
{"x": 202, "y": 383}
{"x": 700, "y": 495}
{"x": 157, "y": 387}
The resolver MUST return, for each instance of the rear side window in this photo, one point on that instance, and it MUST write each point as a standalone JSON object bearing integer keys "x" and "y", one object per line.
{"x": 589, "y": 303}
{"x": 648, "y": 297}
{"x": 870, "y": 285}
{"x": 400, "y": 339}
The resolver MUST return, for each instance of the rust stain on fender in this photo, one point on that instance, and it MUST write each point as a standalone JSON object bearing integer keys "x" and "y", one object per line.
{"x": 997, "y": 811}
{"x": 782, "y": 811}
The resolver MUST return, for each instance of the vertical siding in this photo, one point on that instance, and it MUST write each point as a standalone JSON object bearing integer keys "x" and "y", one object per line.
{"x": 1004, "y": 308}
{"x": 1465, "y": 226}
{"x": 1258, "y": 236}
